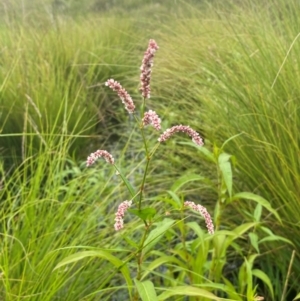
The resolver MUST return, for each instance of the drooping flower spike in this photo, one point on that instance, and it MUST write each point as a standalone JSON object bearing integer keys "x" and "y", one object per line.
{"x": 181, "y": 128}
{"x": 147, "y": 64}
{"x": 92, "y": 158}
{"x": 152, "y": 118}
{"x": 122, "y": 93}
{"x": 202, "y": 210}
{"x": 119, "y": 223}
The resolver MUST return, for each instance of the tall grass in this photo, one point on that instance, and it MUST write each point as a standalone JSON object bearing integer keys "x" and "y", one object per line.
{"x": 52, "y": 78}
{"x": 235, "y": 69}
{"x": 50, "y": 207}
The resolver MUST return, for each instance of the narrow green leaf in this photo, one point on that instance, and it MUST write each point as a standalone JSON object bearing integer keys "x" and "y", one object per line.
{"x": 184, "y": 180}
{"x": 241, "y": 229}
{"x": 207, "y": 154}
{"x": 237, "y": 232}
{"x": 231, "y": 291}
{"x": 229, "y": 139}
{"x": 264, "y": 278}
{"x": 225, "y": 167}
{"x": 144, "y": 214}
{"x": 257, "y": 212}
{"x": 160, "y": 261}
{"x": 126, "y": 182}
{"x": 258, "y": 199}
{"x": 275, "y": 238}
{"x": 249, "y": 282}
{"x": 102, "y": 254}
{"x": 175, "y": 197}
{"x": 187, "y": 291}
{"x": 130, "y": 242}
{"x": 146, "y": 290}
{"x": 254, "y": 241}
{"x": 197, "y": 229}
{"x": 297, "y": 297}
{"x": 156, "y": 234}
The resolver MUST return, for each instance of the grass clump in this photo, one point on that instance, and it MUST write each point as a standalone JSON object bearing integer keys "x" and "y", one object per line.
{"x": 52, "y": 79}
{"x": 236, "y": 71}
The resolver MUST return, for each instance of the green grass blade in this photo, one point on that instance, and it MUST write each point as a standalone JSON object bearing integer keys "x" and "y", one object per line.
{"x": 146, "y": 290}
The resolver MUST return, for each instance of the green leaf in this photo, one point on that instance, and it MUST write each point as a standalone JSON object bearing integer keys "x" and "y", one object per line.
{"x": 229, "y": 139}
{"x": 197, "y": 229}
{"x": 160, "y": 261}
{"x": 175, "y": 197}
{"x": 146, "y": 290}
{"x": 144, "y": 214}
{"x": 241, "y": 229}
{"x": 231, "y": 291}
{"x": 130, "y": 242}
{"x": 126, "y": 182}
{"x": 225, "y": 167}
{"x": 249, "y": 282}
{"x": 264, "y": 278}
{"x": 297, "y": 297}
{"x": 184, "y": 180}
{"x": 156, "y": 234}
{"x": 258, "y": 199}
{"x": 234, "y": 234}
{"x": 254, "y": 241}
{"x": 187, "y": 291}
{"x": 257, "y": 212}
{"x": 119, "y": 264}
{"x": 207, "y": 154}
{"x": 275, "y": 238}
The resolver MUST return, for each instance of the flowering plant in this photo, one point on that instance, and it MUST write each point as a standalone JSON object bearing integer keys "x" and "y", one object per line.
{"x": 202, "y": 260}
{"x": 151, "y": 118}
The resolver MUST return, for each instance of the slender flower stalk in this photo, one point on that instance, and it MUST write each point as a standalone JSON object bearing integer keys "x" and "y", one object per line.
{"x": 92, "y": 158}
{"x": 122, "y": 93}
{"x": 119, "y": 223}
{"x": 196, "y": 138}
{"x": 152, "y": 118}
{"x": 202, "y": 210}
{"x": 147, "y": 64}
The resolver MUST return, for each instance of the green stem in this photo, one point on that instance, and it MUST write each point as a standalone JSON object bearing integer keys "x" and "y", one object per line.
{"x": 140, "y": 259}
{"x": 140, "y": 253}
{"x": 217, "y": 219}
{"x": 181, "y": 225}
{"x": 143, "y": 183}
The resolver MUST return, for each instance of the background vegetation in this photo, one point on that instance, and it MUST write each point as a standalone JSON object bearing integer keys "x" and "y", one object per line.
{"x": 228, "y": 69}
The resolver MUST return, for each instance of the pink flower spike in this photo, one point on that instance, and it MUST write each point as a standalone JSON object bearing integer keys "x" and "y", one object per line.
{"x": 119, "y": 223}
{"x": 202, "y": 210}
{"x": 147, "y": 64}
{"x": 181, "y": 128}
{"x": 98, "y": 154}
{"x": 152, "y": 118}
{"x": 122, "y": 93}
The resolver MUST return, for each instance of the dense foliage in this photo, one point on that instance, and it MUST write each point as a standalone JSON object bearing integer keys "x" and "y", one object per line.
{"x": 229, "y": 70}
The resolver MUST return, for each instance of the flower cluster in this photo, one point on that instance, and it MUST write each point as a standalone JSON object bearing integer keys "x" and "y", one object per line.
{"x": 152, "y": 118}
{"x": 98, "y": 154}
{"x": 125, "y": 97}
{"x": 119, "y": 223}
{"x": 202, "y": 210}
{"x": 181, "y": 128}
{"x": 147, "y": 64}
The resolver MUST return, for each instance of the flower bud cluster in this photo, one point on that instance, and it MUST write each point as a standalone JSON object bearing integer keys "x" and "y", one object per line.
{"x": 92, "y": 158}
{"x": 202, "y": 210}
{"x": 152, "y": 118}
{"x": 119, "y": 223}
